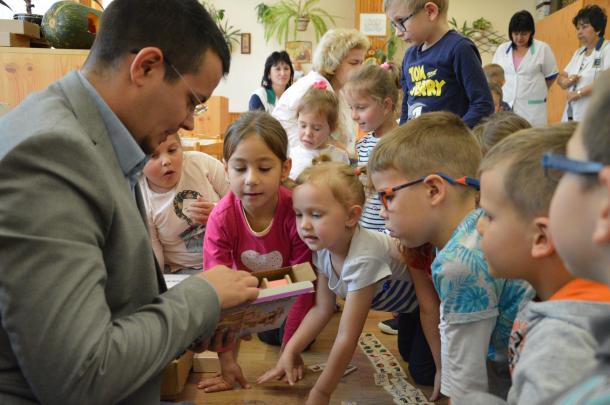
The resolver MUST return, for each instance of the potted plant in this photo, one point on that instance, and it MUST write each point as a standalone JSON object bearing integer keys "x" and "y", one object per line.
{"x": 230, "y": 33}
{"x": 291, "y": 16}
{"x": 27, "y": 16}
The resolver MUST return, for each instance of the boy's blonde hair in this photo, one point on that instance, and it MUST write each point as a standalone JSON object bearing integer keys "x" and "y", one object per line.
{"x": 525, "y": 183}
{"x": 415, "y": 5}
{"x": 434, "y": 142}
{"x": 333, "y": 48}
{"x": 377, "y": 82}
{"x": 498, "y": 126}
{"x": 494, "y": 73}
{"x": 321, "y": 102}
{"x": 342, "y": 180}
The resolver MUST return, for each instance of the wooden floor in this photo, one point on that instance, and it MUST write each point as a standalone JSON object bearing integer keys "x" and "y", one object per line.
{"x": 256, "y": 357}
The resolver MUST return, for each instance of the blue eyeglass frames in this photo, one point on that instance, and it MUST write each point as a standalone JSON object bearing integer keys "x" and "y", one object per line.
{"x": 463, "y": 181}
{"x": 564, "y": 164}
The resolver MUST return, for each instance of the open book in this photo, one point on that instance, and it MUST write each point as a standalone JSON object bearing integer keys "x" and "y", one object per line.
{"x": 279, "y": 289}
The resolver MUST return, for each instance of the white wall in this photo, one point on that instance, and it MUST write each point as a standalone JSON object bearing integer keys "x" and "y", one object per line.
{"x": 246, "y": 70}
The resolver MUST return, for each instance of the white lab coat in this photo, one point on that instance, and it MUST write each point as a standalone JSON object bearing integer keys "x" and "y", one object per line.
{"x": 597, "y": 62}
{"x": 525, "y": 89}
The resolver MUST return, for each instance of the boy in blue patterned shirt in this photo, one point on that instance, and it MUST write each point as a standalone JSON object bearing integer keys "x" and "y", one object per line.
{"x": 425, "y": 169}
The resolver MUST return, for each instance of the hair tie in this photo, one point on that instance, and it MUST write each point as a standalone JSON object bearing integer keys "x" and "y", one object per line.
{"x": 320, "y": 85}
{"x": 358, "y": 171}
{"x": 385, "y": 66}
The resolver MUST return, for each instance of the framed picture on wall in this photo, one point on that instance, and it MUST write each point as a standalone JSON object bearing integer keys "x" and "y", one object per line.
{"x": 245, "y": 43}
{"x": 373, "y": 24}
{"x": 299, "y": 51}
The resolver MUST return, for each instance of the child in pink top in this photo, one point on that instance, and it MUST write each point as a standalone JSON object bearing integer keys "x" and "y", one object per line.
{"x": 254, "y": 227}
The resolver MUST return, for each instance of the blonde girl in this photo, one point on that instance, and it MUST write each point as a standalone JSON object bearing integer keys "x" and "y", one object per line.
{"x": 253, "y": 227}
{"x": 372, "y": 93}
{"x": 361, "y": 266}
{"x": 317, "y": 117}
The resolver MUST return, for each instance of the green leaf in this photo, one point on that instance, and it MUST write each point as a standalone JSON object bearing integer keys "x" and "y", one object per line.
{"x": 5, "y": 5}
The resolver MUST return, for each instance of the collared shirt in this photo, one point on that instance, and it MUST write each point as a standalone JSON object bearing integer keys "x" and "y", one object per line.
{"x": 129, "y": 154}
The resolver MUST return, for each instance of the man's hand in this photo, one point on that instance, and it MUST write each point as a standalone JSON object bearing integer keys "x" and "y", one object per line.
{"x": 234, "y": 287}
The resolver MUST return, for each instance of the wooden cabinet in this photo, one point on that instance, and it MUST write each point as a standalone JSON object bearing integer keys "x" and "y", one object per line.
{"x": 27, "y": 70}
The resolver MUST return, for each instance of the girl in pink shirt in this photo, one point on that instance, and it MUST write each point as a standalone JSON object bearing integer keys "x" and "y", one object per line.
{"x": 253, "y": 227}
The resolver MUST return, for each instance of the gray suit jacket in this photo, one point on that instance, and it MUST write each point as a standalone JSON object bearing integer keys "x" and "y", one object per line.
{"x": 81, "y": 317}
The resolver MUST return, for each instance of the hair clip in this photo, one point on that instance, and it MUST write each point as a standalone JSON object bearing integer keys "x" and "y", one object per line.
{"x": 320, "y": 85}
{"x": 385, "y": 66}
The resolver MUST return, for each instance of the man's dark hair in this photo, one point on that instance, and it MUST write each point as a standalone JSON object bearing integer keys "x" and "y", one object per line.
{"x": 273, "y": 59}
{"x": 182, "y": 29}
{"x": 594, "y": 15}
{"x": 522, "y": 21}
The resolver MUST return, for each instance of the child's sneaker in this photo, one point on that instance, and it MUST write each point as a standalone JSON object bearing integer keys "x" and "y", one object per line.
{"x": 389, "y": 326}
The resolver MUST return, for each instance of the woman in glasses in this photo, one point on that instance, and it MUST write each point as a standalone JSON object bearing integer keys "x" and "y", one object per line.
{"x": 586, "y": 63}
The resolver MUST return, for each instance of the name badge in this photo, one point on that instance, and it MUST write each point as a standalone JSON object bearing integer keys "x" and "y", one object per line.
{"x": 597, "y": 63}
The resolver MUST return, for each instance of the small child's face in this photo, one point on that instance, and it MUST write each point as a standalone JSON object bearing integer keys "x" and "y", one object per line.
{"x": 313, "y": 130}
{"x": 164, "y": 168}
{"x": 573, "y": 216}
{"x": 321, "y": 219}
{"x": 506, "y": 237}
{"x": 367, "y": 112}
{"x": 406, "y": 214}
{"x": 411, "y": 25}
{"x": 255, "y": 174}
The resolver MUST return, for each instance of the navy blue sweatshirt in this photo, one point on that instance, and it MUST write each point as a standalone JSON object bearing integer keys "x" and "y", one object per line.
{"x": 446, "y": 77}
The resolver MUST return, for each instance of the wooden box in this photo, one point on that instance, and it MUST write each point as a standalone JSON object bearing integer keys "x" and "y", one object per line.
{"x": 175, "y": 376}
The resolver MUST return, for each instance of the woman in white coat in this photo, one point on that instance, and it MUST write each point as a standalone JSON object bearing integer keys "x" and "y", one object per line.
{"x": 586, "y": 63}
{"x": 529, "y": 67}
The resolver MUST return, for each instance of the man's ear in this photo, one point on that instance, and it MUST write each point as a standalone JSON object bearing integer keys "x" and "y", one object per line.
{"x": 353, "y": 215}
{"x": 286, "y": 167}
{"x": 542, "y": 243}
{"x": 436, "y": 189}
{"x": 147, "y": 61}
{"x": 601, "y": 233}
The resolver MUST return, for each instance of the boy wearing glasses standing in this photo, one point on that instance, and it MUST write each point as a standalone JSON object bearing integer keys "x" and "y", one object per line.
{"x": 551, "y": 344}
{"x": 423, "y": 172}
{"x": 442, "y": 71}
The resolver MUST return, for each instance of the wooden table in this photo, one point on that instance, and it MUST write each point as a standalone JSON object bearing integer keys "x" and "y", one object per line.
{"x": 256, "y": 357}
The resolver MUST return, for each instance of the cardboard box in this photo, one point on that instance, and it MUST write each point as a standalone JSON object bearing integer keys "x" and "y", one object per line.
{"x": 15, "y": 40}
{"x": 28, "y": 29}
{"x": 175, "y": 376}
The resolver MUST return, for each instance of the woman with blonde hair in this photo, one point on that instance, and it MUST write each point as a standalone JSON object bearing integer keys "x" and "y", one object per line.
{"x": 338, "y": 53}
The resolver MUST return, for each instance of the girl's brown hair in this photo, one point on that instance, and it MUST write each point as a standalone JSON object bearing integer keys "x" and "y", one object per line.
{"x": 256, "y": 123}
{"x": 377, "y": 82}
{"x": 321, "y": 102}
{"x": 497, "y": 127}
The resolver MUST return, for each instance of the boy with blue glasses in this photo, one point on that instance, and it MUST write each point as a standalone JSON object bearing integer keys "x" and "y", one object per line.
{"x": 580, "y": 224}
{"x": 551, "y": 343}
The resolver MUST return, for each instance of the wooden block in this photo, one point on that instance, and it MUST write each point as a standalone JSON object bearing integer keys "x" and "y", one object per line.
{"x": 14, "y": 40}
{"x": 206, "y": 362}
{"x": 175, "y": 376}
{"x": 20, "y": 27}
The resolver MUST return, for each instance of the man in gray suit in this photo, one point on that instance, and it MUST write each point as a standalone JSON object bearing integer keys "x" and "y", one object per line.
{"x": 84, "y": 316}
